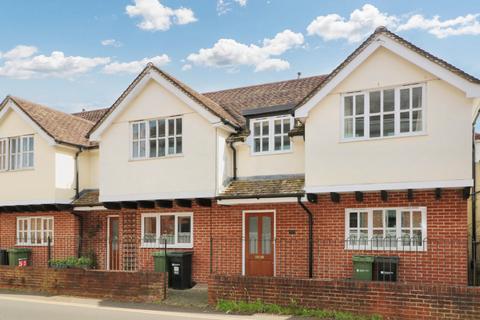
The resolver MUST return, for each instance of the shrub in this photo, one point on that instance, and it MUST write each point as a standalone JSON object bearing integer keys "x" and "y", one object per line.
{"x": 72, "y": 262}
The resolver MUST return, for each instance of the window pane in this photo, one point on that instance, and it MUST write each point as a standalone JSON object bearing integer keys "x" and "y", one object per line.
{"x": 359, "y": 104}
{"x": 256, "y": 129}
{"x": 359, "y": 127}
{"x": 179, "y": 145}
{"x": 256, "y": 143}
{"x": 348, "y": 101}
{"x": 348, "y": 130}
{"x": 353, "y": 220}
{"x": 417, "y": 219}
{"x": 405, "y": 122}
{"x": 388, "y": 100}
{"x": 277, "y": 126}
{"x": 417, "y": 239}
{"x": 184, "y": 229}
{"x": 265, "y": 144}
{"x": 388, "y": 125}
{"x": 416, "y": 121}
{"x": 167, "y": 228}
{"x": 405, "y": 219}
{"x": 161, "y": 128}
{"x": 264, "y": 128}
{"x": 179, "y": 126}
{"x": 171, "y": 127}
{"x": 391, "y": 217}
{"x": 266, "y": 235}
{"x": 161, "y": 147}
{"x": 417, "y": 97}
{"x": 153, "y": 148}
{"x": 286, "y": 142}
{"x": 142, "y": 149}
{"x": 171, "y": 145}
{"x": 375, "y": 102}
{"x": 378, "y": 219}
{"x": 404, "y": 99}
{"x": 375, "y": 126}
{"x": 253, "y": 235}
{"x": 142, "y": 130}
{"x": 153, "y": 128}
{"x": 135, "y": 150}
{"x": 278, "y": 143}
{"x": 286, "y": 125}
{"x": 149, "y": 229}
{"x": 135, "y": 131}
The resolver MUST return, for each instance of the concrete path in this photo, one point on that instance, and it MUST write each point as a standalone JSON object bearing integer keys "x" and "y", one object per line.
{"x": 26, "y": 307}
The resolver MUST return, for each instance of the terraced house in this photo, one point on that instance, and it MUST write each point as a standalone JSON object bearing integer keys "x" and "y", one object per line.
{"x": 290, "y": 178}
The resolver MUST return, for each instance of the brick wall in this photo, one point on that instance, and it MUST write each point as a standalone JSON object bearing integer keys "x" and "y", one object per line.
{"x": 126, "y": 286}
{"x": 444, "y": 261}
{"x": 65, "y": 228}
{"x": 391, "y": 300}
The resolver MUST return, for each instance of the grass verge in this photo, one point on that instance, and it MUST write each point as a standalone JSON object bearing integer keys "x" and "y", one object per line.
{"x": 258, "y": 306}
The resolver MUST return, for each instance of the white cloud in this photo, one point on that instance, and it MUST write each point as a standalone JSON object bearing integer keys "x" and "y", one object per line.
{"x": 224, "y": 6}
{"x": 20, "y": 51}
{"x": 111, "y": 43}
{"x": 186, "y": 67}
{"x": 135, "y": 66}
{"x": 20, "y": 63}
{"x": 461, "y": 25}
{"x": 157, "y": 17}
{"x": 229, "y": 53}
{"x": 361, "y": 23}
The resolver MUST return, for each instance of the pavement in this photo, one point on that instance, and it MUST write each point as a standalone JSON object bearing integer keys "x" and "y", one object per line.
{"x": 20, "y": 306}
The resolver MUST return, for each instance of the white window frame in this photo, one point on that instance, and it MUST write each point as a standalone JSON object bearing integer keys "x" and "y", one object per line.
{"x": 397, "y": 112}
{"x": 271, "y": 135}
{"x": 148, "y": 138}
{"x": 398, "y": 226}
{"x": 44, "y": 241}
{"x": 4, "y": 154}
{"x": 160, "y": 244}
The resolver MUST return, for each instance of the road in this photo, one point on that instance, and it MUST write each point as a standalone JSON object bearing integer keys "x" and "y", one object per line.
{"x": 28, "y": 307}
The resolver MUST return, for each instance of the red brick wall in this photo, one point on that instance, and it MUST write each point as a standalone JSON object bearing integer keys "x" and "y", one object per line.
{"x": 128, "y": 286}
{"x": 65, "y": 229}
{"x": 444, "y": 261}
{"x": 406, "y": 301}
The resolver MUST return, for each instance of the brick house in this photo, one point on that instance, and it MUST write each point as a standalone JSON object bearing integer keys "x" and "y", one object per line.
{"x": 290, "y": 178}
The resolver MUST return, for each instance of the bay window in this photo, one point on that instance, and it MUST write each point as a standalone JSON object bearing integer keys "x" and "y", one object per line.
{"x": 386, "y": 229}
{"x": 176, "y": 229}
{"x": 156, "y": 138}
{"x": 270, "y": 135}
{"x": 383, "y": 113}
{"x": 34, "y": 231}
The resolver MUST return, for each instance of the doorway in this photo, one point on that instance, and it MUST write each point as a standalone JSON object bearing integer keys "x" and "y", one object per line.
{"x": 113, "y": 246}
{"x": 259, "y": 244}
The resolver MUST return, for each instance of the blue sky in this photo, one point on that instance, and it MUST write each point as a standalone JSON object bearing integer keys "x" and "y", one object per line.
{"x": 74, "y": 54}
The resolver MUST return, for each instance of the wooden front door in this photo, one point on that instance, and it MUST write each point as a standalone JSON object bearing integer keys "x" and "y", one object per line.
{"x": 113, "y": 244}
{"x": 259, "y": 248}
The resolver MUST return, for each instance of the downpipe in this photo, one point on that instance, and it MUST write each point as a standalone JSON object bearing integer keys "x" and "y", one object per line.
{"x": 310, "y": 236}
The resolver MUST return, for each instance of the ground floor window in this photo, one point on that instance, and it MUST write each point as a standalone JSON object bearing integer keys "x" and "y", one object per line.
{"x": 174, "y": 228}
{"x": 386, "y": 228}
{"x": 34, "y": 230}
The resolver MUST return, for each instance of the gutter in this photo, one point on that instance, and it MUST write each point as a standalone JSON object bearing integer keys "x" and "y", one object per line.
{"x": 310, "y": 236}
{"x": 261, "y": 196}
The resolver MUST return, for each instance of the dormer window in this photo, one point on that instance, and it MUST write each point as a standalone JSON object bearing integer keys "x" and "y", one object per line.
{"x": 270, "y": 135}
{"x": 16, "y": 153}
{"x": 156, "y": 138}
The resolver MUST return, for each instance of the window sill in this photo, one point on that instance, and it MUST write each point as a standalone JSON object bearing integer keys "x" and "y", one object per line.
{"x": 171, "y": 246}
{"x": 403, "y": 249}
{"x": 270, "y": 153}
{"x": 157, "y": 158}
{"x": 32, "y": 245}
{"x": 417, "y": 134}
{"x": 17, "y": 170}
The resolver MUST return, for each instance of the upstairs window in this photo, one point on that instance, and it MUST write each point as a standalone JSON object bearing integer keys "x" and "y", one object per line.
{"x": 16, "y": 153}
{"x": 156, "y": 138}
{"x": 383, "y": 113}
{"x": 270, "y": 135}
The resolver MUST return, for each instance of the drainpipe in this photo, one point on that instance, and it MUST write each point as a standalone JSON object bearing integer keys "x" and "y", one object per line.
{"x": 474, "y": 206}
{"x": 310, "y": 236}
{"x": 77, "y": 182}
{"x": 234, "y": 160}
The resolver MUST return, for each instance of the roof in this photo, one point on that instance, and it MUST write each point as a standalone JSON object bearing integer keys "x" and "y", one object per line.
{"x": 91, "y": 115}
{"x": 62, "y": 127}
{"x": 276, "y": 94}
{"x": 198, "y": 97}
{"x": 264, "y": 187}
{"x": 384, "y": 31}
{"x": 87, "y": 198}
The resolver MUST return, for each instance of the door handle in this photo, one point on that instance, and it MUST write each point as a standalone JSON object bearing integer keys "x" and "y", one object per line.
{"x": 259, "y": 257}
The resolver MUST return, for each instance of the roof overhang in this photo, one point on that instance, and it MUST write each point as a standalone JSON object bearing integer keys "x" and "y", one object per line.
{"x": 152, "y": 74}
{"x": 471, "y": 90}
{"x": 10, "y": 104}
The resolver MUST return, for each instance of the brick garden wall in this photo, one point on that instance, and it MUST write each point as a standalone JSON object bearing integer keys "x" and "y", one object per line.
{"x": 391, "y": 300}
{"x": 125, "y": 286}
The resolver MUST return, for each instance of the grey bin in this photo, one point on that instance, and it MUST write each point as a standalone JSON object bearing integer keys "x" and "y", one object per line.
{"x": 386, "y": 268}
{"x": 180, "y": 269}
